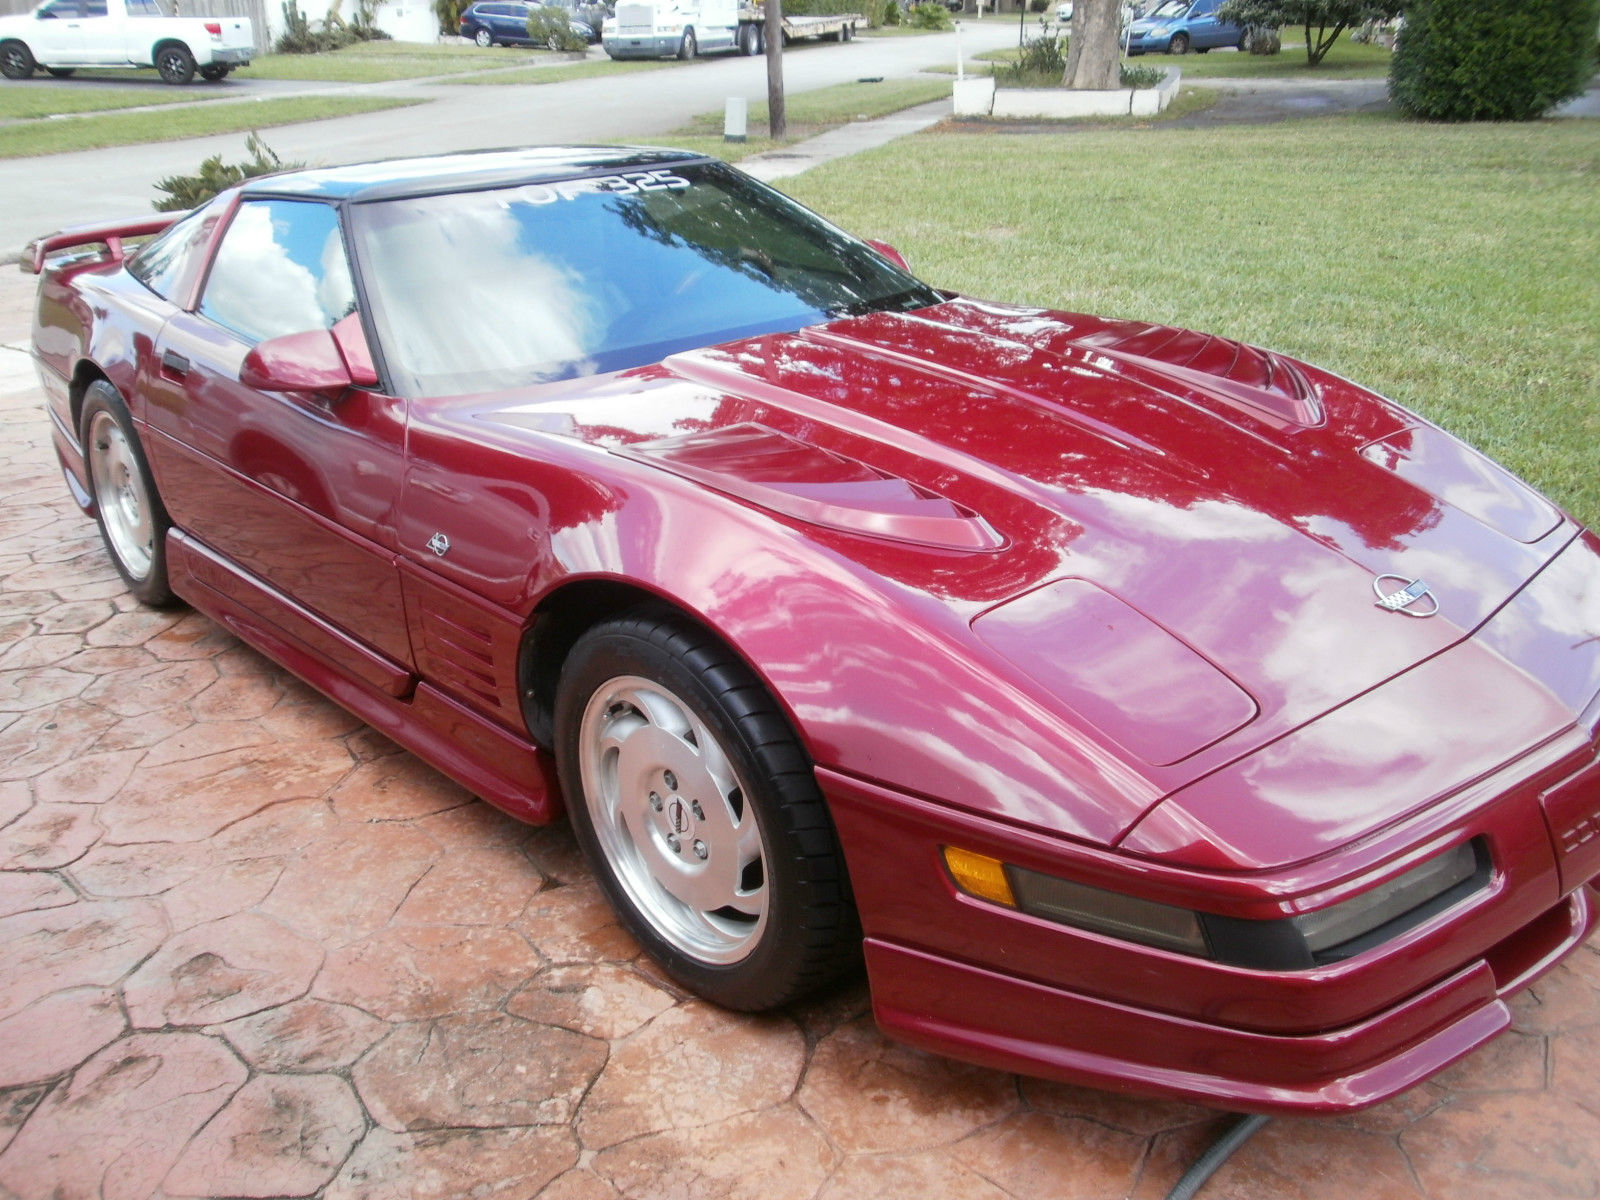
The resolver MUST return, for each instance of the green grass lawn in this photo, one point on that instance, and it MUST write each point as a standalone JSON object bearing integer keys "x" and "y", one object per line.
{"x": 379, "y": 62}
{"x": 126, "y": 129}
{"x": 808, "y": 114}
{"x": 560, "y": 74}
{"x": 1450, "y": 267}
{"x": 1346, "y": 60}
{"x": 19, "y": 101}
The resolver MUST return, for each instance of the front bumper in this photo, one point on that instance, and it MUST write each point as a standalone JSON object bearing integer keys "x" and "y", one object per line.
{"x": 987, "y": 984}
{"x": 643, "y": 47}
{"x": 1149, "y": 43}
{"x": 1012, "y": 1024}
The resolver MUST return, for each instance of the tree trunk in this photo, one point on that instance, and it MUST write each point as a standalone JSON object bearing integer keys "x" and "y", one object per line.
{"x": 1094, "y": 61}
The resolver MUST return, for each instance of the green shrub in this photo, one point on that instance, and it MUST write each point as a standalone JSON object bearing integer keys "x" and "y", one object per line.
{"x": 190, "y": 191}
{"x": 1141, "y": 76}
{"x": 1262, "y": 39}
{"x": 1491, "y": 60}
{"x": 928, "y": 16}
{"x": 298, "y": 37}
{"x": 449, "y": 14}
{"x": 1041, "y": 62}
{"x": 891, "y": 13}
{"x": 552, "y": 27}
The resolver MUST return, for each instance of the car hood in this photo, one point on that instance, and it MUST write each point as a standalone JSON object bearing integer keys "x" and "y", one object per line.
{"x": 1173, "y": 538}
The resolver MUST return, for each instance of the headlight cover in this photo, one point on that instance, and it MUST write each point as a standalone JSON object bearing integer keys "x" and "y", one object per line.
{"x": 1296, "y": 943}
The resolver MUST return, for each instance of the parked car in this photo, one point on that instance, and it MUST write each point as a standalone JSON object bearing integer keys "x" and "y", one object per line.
{"x": 1064, "y": 12}
{"x": 62, "y": 35}
{"x": 505, "y": 23}
{"x": 1178, "y": 26}
{"x": 1149, "y": 710}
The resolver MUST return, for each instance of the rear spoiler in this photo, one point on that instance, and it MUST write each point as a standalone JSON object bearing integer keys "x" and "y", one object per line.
{"x": 106, "y": 233}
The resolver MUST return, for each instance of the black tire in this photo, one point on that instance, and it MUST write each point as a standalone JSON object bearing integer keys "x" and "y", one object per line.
{"x": 848, "y": 32}
{"x": 133, "y": 521}
{"x": 174, "y": 64}
{"x": 1179, "y": 44}
{"x": 16, "y": 61}
{"x": 62, "y": 72}
{"x": 483, "y": 38}
{"x": 688, "y": 48}
{"x": 749, "y": 40}
{"x": 699, "y": 813}
{"x": 215, "y": 72}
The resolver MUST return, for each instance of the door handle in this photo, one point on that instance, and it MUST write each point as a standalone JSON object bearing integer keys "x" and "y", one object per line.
{"x": 174, "y": 364}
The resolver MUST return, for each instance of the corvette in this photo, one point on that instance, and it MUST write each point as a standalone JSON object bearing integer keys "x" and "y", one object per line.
{"x": 1147, "y": 710}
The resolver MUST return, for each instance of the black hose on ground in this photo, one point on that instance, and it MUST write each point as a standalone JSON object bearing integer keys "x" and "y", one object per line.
{"x": 1204, "y": 1167}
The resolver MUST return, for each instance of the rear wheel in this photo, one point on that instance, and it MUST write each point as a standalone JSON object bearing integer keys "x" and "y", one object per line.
{"x": 214, "y": 72}
{"x": 848, "y": 32}
{"x": 699, "y": 813}
{"x": 749, "y": 39}
{"x": 483, "y": 38}
{"x": 62, "y": 72}
{"x": 133, "y": 522}
{"x": 175, "y": 64}
{"x": 16, "y": 62}
{"x": 688, "y": 48}
{"x": 1179, "y": 44}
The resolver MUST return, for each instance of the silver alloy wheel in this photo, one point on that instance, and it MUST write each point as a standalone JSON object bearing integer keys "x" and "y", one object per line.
{"x": 672, "y": 819}
{"x": 125, "y": 509}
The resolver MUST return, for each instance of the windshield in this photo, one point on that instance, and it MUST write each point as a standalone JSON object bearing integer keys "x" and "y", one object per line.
{"x": 1168, "y": 9}
{"x": 478, "y": 291}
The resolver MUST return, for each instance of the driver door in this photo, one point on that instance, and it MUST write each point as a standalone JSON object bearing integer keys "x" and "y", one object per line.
{"x": 297, "y": 489}
{"x": 56, "y": 38}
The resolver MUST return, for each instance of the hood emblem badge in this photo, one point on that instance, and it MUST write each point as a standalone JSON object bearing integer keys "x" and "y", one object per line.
{"x": 439, "y": 544}
{"x": 1414, "y": 592}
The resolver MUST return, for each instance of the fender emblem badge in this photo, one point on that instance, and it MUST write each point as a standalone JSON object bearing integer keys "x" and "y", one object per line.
{"x": 1414, "y": 592}
{"x": 439, "y": 544}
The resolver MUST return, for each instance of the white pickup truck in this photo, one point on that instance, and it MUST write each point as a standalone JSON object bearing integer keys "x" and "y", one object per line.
{"x": 63, "y": 35}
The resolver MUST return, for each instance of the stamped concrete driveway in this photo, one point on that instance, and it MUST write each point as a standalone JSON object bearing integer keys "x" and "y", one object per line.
{"x": 248, "y": 948}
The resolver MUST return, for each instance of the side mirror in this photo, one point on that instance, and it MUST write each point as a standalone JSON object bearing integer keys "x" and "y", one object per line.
{"x": 890, "y": 253}
{"x": 326, "y": 361}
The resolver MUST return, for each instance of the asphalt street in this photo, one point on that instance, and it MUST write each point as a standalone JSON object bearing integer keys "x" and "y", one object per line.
{"x": 49, "y": 192}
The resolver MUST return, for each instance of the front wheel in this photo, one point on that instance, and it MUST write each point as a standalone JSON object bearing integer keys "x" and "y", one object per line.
{"x": 175, "y": 64}
{"x": 699, "y": 812}
{"x": 483, "y": 38}
{"x": 16, "y": 61}
{"x": 133, "y": 522}
{"x": 687, "y": 48}
{"x": 1179, "y": 44}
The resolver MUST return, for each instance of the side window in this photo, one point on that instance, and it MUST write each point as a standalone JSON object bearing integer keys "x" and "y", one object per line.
{"x": 94, "y": 8}
{"x": 63, "y": 10}
{"x": 162, "y": 264}
{"x": 281, "y": 268}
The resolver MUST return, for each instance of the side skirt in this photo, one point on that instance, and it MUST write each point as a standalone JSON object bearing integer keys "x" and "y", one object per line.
{"x": 508, "y": 772}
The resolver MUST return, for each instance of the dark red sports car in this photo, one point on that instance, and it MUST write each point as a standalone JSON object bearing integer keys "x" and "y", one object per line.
{"x": 1157, "y": 712}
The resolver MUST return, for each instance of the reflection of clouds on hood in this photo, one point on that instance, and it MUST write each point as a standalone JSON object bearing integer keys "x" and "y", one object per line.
{"x": 258, "y": 289}
{"x": 462, "y": 297}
